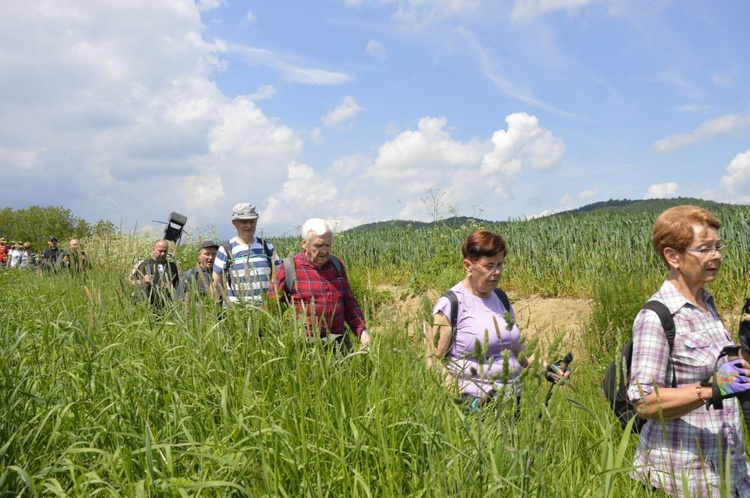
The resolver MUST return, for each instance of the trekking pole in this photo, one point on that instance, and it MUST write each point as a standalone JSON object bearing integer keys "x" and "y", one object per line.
{"x": 554, "y": 376}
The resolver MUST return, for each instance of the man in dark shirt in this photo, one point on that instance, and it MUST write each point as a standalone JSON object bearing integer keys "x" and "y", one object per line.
{"x": 74, "y": 260}
{"x": 50, "y": 255}
{"x": 155, "y": 279}
{"x": 199, "y": 278}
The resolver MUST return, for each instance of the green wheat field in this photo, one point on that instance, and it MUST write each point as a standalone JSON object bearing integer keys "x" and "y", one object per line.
{"x": 100, "y": 397}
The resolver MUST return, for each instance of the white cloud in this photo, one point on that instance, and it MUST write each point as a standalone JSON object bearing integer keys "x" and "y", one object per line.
{"x": 113, "y": 113}
{"x": 344, "y": 112}
{"x": 420, "y": 13}
{"x": 292, "y": 70}
{"x": 662, "y": 191}
{"x": 204, "y": 5}
{"x": 735, "y": 184}
{"x": 397, "y": 181}
{"x": 705, "y": 131}
{"x": 306, "y": 194}
{"x": 524, "y": 143}
{"x": 250, "y": 17}
{"x": 528, "y": 10}
{"x": 263, "y": 92}
{"x": 376, "y": 49}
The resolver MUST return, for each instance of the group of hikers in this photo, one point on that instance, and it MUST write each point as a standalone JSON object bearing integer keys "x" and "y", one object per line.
{"x": 246, "y": 271}
{"x": 685, "y": 379}
{"x": 682, "y": 382}
{"x": 23, "y": 256}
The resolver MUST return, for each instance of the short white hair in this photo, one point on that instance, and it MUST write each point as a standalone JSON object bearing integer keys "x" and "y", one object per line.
{"x": 317, "y": 226}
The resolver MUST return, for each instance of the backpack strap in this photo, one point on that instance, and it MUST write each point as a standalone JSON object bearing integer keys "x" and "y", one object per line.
{"x": 290, "y": 272}
{"x": 667, "y": 323}
{"x": 227, "y": 246}
{"x": 266, "y": 251}
{"x": 337, "y": 264}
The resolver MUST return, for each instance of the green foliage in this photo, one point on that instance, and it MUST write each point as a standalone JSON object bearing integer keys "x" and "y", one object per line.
{"x": 36, "y": 224}
{"x": 99, "y": 396}
{"x": 616, "y": 301}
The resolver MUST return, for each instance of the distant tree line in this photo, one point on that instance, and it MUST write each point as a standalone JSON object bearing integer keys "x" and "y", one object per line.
{"x": 37, "y": 224}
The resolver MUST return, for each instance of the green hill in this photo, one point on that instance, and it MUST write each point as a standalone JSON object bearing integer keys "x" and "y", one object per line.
{"x": 624, "y": 206}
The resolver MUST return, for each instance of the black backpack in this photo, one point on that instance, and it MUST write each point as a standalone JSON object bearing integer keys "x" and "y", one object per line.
{"x": 451, "y": 296}
{"x": 617, "y": 375}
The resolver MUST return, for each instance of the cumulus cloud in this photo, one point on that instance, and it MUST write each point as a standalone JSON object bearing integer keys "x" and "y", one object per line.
{"x": 129, "y": 127}
{"x": 528, "y": 10}
{"x": 735, "y": 184}
{"x": 347, "y": 110}
{"x": 476, "y": 173}
{"x": 397, "y": 182}
{"x": 376, "y": 50}
{"x": 705, "y": 131}
{"x": 524, "y": 142}
{"x": 662, "y": 191}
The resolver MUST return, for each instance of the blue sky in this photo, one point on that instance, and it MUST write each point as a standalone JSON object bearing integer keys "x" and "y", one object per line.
{"x": 368, "y": 110}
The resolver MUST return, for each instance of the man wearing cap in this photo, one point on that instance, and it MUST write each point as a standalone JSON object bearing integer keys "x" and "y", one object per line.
{"x": 199, "y": 278}
{"x": 244, "y": 266}
{"x": 50, "y": 255}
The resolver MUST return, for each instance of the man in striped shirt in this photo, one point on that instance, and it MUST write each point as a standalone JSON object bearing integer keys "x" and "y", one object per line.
{"x": 243, "y": 271}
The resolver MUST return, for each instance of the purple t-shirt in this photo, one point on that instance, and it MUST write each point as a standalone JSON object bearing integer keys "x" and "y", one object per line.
{"x": 482, "y": 336}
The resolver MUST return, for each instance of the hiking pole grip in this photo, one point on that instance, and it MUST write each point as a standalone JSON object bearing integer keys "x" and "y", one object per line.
{"x": 564, "y": 363}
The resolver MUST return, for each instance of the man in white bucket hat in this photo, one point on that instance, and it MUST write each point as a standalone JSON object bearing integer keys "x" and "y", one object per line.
{"x": 244, "y": 266}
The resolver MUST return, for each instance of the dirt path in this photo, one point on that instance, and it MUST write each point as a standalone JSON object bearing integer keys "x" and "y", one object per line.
{"x": 544, "y": 318}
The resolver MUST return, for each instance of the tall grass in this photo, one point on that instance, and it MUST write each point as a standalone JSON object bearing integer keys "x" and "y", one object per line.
{"x": 101, "y": 397}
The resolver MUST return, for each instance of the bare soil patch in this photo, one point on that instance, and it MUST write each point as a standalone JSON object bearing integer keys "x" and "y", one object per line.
{"x": 543, "y": 318}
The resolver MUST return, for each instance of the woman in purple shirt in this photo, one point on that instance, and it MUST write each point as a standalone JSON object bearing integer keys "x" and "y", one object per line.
{"x": 472, "y": 360}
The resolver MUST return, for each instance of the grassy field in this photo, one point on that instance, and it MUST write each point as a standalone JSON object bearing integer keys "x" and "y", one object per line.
{"x": 102, "y": 398}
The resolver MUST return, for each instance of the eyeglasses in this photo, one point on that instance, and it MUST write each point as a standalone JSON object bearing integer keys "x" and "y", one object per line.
{"x": 708, "y": 251}
{"x": 491, "y": 268}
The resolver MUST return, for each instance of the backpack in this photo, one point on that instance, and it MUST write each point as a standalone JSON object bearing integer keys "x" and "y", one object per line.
{"x": 617, "y": 375}
{"x": 290, "y": 272}
{"x": 451, "y": 296}
{"x": 228, "y": 250}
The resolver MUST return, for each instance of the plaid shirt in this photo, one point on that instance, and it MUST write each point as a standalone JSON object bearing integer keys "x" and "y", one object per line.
{"x": 693, "y": 447}
{"x": 323, "y": 295}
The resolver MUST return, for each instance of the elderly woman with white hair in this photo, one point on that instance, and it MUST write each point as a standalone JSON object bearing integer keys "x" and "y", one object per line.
{"x": 315, "y": 282}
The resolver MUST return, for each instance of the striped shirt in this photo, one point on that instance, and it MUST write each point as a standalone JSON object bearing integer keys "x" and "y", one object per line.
{"x": 695, "y": 446}
{"x": 248, "y": 269}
